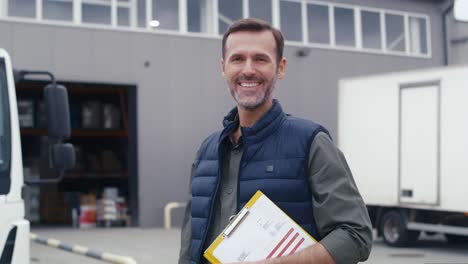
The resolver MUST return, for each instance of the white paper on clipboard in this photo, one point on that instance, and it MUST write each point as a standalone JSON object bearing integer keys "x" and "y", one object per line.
{"x": 261, "y": 230}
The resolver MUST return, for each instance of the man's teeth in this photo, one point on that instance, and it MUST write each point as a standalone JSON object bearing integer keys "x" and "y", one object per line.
{"x": 249, "y": 84}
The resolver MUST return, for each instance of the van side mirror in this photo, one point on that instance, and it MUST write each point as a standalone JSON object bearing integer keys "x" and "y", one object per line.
{"x": 57, "y": 110}
{"x": 460, "y": 10}
{"x": 62, "y": 156}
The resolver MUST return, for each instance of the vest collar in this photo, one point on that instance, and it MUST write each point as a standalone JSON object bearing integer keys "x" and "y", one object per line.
{"x": 264, "y": 127}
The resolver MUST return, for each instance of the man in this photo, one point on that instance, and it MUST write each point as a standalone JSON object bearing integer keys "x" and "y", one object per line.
{"x": 293, "y": 161}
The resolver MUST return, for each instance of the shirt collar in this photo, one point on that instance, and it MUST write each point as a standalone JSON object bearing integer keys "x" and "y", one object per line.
{"x": 266, "y": 125}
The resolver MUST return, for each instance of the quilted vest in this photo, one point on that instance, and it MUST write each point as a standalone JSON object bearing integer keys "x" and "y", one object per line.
{"x": 274, "y": 160}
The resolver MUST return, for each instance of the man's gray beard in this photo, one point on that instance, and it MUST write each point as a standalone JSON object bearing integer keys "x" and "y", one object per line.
{"x": 252, "y": 108}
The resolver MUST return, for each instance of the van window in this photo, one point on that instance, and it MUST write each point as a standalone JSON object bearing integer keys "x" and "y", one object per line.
{"x": 5, "y": 133}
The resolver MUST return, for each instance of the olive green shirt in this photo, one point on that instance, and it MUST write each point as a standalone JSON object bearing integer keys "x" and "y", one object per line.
{"x": 340, "y": 214}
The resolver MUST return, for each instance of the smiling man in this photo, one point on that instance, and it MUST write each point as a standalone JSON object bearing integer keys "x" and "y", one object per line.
{"x": 292, "y": 160}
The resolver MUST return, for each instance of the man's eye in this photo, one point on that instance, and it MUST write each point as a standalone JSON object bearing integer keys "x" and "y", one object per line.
{"x": 260, "y": 59}
{"x": 236, "y": 59}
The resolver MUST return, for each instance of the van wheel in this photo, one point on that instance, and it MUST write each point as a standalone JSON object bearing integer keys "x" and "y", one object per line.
{"x": 394, "y": 231}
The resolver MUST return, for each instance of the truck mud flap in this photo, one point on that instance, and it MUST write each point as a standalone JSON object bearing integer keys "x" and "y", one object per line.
{"x": 7, "y": 252}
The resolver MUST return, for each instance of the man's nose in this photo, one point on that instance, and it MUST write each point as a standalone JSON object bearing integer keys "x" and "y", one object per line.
{"x": 248, "y": 68}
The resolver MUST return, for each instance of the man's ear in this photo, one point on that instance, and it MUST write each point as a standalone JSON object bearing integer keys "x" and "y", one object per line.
{"x": 282, "y": 68}
{"x": 222, "y": 68}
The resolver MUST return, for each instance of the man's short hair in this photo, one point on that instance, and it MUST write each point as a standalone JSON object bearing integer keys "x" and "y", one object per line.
{"x": 256, "y": 25}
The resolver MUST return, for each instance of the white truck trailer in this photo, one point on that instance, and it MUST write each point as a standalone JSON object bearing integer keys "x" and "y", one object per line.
{"x": 405, "y": 136}
{"x": 14, "y": 229}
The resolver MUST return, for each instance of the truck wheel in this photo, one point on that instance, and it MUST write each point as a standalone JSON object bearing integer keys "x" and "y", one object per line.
{"x": 394, "y": 231}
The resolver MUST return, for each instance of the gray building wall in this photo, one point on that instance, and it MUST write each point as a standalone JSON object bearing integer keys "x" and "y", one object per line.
{"x": 181, "y": 96}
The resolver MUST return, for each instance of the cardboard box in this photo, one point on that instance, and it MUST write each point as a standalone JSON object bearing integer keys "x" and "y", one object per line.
{"x": 88, "y": 199}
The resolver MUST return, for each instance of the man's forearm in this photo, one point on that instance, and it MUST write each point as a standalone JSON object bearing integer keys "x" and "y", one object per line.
{"x": 316, "y": 254}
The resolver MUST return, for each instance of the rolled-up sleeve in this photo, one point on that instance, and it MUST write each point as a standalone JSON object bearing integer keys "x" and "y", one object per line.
{"x": 340, "y": 213}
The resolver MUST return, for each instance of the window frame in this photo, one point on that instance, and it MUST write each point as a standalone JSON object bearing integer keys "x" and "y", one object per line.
{"x": 381, "y": 28}
{"x": 244, "y": 11}
{"x": 212, "y": 21}
{"x": 405, "y": 33}
{"x": 303, "y": 26}
{"x": 329, "y": 22}
{"x": 425, "y": 18}
{"x": 353, "y": 8}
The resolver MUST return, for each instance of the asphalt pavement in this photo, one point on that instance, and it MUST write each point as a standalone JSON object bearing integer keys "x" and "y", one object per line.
{"x": 162, "y": 246}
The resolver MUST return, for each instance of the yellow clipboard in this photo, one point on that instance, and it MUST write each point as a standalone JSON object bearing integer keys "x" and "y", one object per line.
{"x": 260, "y": 230}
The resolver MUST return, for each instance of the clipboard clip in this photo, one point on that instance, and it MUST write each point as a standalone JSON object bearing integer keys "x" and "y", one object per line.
{"x": 230, "y": 228}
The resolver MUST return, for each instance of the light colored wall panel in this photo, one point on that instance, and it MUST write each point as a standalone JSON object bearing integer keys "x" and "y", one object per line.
{"x": 215, "y": 93}
{"x": 33, "y": 46}
{"x": 73, "y": 56}
{"x": 110, "y": 52}
{"x": 149, "y": 57}
{"x": 6, "y": 37}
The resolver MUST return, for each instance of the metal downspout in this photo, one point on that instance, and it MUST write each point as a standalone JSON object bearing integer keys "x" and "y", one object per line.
{"x": 445, "y": 34}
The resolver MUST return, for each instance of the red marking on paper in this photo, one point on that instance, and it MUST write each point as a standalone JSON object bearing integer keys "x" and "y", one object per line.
{"x": 288, "y": 245}
{"x": 297, "y": 246}
{"x": 280, "y": 243}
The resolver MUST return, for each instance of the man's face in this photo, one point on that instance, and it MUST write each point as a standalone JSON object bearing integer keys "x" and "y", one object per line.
{"x": 250, "y": 67}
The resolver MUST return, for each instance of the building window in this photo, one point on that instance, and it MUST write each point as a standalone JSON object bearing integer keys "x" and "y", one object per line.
{"x": 96, "y": 13}
{"x": 395, "y": 28}
{"x": 260, "y": 9}
{"x": 58, "y": 10}
{"x": 123, "y": 16}
{"x": 418, "y": 35}
{"x": 123, "y": 13}
{"x": 291, "y": 22}
{"x": 197, "y": 16}
{"x": 167, "y": 13}
{"x": 318, "y": 23}
{"x": 344, "y": 27}
{"x": 142, "y": 20}
{"x": 340, "y": 26}
{"x": 21, "y": 8}
{"x": 371, "y": 33}
{"x": 229, "y": 11}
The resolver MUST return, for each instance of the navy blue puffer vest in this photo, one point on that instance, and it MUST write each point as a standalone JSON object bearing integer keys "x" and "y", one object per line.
{"x": 274, "y": 161}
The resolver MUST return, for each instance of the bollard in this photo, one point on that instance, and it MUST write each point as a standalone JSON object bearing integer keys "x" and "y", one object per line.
{"x": 167, "y": 212}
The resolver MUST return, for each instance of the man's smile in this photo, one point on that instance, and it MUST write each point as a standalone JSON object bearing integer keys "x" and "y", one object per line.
{"x": 249, "y": 84}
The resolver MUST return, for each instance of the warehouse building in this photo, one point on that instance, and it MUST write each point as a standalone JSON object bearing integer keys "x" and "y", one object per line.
{"x": 145, "y": 85}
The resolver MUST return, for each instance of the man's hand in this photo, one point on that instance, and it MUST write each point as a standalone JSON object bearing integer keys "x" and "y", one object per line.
{"x": 316, "y": 254}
